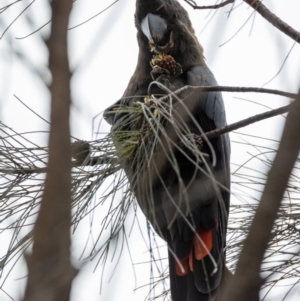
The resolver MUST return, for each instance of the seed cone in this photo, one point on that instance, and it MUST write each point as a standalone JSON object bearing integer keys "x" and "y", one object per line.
{"x": 164, "y": 61}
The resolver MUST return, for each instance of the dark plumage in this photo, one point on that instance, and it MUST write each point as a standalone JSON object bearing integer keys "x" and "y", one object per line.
{"x": 164, "y": 27}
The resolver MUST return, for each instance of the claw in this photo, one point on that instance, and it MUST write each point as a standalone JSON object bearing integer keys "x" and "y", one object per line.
{"x": 158, "y": 71}
{"x": 165, "y": 80}
{"x": 178, "y": 70}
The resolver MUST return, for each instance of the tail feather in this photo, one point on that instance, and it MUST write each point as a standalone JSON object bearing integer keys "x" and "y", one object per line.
{"x": 178, "y": 284}
{"x": 198, "y": 279}
{"x": 195, "y": 295}
{"x": 208, "y": 271}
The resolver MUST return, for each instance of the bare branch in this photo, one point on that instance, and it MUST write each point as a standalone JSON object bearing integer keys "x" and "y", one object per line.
{"x": 20, "y": 14}
{"x": 262, "y": 10}
{"x": 4, "y": 8}
{"x": 231, "y": 89}
{"x": 35, "y": 31}
{"x": 91, "y": 18}
{"x": 92, "y": 161}
{"x": 216, "y": 6}
{"x": 50, "y": 270}
{"x": 247, "y": 121}
{"x": 86, "y": 21}
{"x": 274, "y": 20}
{"x": 246, "y": 282}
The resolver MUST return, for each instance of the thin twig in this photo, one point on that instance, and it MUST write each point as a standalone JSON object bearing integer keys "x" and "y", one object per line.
{"x": 262, "y": 10}
{"x": 231, "y": 89}
{"x": 20, "y": 14}
{"x": 4, "y": 8}
{"x": 102, "y": 11}
{"x": 274, "y": 20}
{"x": 93, "y": 161}
{"x": 246, "y": 283}
{"x": 194, "y": 5}
{"x": 35, "y": 31}
{"x": 247, "y": 121}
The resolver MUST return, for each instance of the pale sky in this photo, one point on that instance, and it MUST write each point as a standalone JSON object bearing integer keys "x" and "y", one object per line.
{"x": 103, "y": 55}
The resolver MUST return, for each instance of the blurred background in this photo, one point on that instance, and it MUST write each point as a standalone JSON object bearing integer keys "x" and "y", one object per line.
{"x": 241, "y": 49}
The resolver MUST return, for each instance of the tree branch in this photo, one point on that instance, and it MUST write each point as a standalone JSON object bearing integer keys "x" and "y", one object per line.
{"x": 231, "y": 89}
{"x": 274, "y": 20}
{"x": 194, "y": 5}
{"x": 93, "y": 161}
{"x": 247, "y": 121}
{"x": 262, "y": 10}
{"x": 246, "y": 282}
{"x": 50, "y": 270}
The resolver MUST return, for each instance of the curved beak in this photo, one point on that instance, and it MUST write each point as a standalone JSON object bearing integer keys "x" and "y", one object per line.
{"x": 154, "y": 28}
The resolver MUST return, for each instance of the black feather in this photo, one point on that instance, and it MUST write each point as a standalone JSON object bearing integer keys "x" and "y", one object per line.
{"x": 180, "y": 202}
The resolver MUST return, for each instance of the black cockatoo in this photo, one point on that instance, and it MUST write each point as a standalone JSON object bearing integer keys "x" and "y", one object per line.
{"x": 187, "y": 200}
